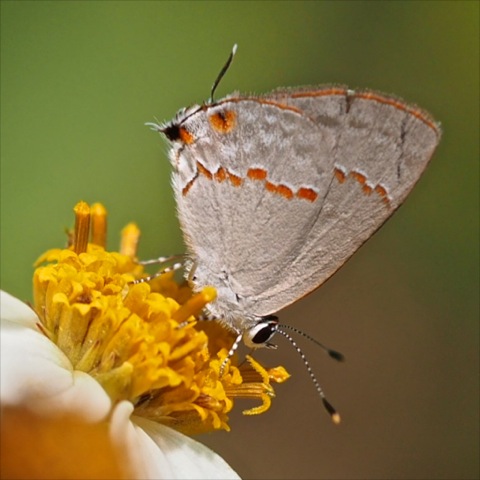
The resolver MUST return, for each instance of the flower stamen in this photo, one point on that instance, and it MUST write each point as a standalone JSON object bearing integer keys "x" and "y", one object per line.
{"x": 129, "y": 240}
{"x": 194, "y": 305}
{"x": 82, "y": 227}
{"x": 99, "y": 224}
{"x": 140, "y": 340}
{"x": 256, "y": 384}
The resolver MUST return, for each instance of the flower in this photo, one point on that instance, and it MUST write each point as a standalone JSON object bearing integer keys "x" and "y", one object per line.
{"x": 120, "y": 360}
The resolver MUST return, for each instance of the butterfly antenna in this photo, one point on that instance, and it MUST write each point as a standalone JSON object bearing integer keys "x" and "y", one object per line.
{"x": 339, "y": 357}
{"x": 222, "y": 72}
{"x": 158, "y": 260}
{"x": 172, "y": 268}
{"x": 334, "y": 415}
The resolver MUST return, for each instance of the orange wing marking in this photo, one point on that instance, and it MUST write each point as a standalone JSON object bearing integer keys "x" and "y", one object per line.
{"x": 223, "y": 122}
{"x": 339, "y": 175}
{"x": 256, "y": 174}
{"x": 235, "y": 180}
{"x": 383, "y": 194}
{"x": 422, "y": 116}
{"x": 319, "y": 93}
{"x": 280, "y": 189}
{"x": 262, "y": 101}
{"x": 204, "y": 171}
{"x": 185, "y": 136}
{"x": 307, "y": 194}
{"x": 188, "y": 186}
{"x": 220, "y": 175}
{"x": 361, "y": 178}
{"x": 304, "y": 193}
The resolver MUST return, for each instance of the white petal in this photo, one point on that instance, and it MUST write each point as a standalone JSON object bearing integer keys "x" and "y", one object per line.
{"x": 31, "y": 366}
{"x": 35, "y": 372}
{"x": 159, "y": 452}
{"x": 15, "y": 310}
{"x": 84, "y": 397}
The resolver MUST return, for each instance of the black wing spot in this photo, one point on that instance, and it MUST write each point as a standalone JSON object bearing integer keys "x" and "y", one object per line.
{"x": 172, "y": 132}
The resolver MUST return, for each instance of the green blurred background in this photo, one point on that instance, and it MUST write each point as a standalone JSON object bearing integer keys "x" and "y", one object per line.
{"x": 78, "y": 81}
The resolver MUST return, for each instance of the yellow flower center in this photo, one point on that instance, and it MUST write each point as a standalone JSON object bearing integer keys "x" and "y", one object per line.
{"x": 140, "y": 341}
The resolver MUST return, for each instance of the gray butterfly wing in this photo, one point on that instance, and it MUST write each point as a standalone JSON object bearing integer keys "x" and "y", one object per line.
{"x": 275, "y": 193}
{"x": 382, "y": 147}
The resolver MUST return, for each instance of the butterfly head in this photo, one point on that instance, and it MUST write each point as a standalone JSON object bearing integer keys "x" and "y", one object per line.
{"x": 259, "y": 335}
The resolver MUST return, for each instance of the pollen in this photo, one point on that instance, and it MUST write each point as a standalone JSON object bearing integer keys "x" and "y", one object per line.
{"x": 141, "y": 340}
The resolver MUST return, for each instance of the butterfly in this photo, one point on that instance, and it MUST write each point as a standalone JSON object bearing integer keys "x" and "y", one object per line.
{"x": 276, "y": 192}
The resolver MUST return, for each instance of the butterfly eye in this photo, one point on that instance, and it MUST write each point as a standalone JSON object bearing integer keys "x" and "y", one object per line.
{"x": 261, "y": 333}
